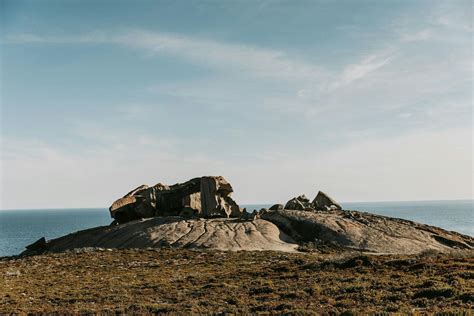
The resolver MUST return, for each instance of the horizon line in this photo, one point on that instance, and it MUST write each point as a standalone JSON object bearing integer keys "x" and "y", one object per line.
{"x": 242, "y": 204}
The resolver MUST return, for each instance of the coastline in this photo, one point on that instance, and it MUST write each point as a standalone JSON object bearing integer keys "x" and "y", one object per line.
{"x": 40, "y": 222}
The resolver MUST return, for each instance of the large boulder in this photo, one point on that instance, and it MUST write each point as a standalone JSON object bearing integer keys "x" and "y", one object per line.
{"x": 299, "y": 203}
{"x": 205, "y": 197}
{"x": 215, "y": 198}
{"x": 323, "y": 202}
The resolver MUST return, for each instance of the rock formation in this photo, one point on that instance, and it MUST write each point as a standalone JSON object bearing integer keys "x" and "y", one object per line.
{"x": 205, "y": 197}
{"x": 200, "y": 213}
{"x": 276, "y": 207}
{"x": 300, "y": 203}
{"x": 177, "y": 232}
{"x": 322, "y": 201}
{"x": 366, "y": 232}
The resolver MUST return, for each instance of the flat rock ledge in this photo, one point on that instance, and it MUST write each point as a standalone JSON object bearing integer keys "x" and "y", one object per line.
{"x": 200, "y": 214}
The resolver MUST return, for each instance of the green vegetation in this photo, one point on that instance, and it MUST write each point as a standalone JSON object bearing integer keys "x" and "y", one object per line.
{"x": 186, "y": 281}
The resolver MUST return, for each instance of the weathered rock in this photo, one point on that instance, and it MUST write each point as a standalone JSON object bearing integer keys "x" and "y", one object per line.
{"x": 172, "y": 216}
{"x": 192, "y": 201}
{"x": 137, "y": 191}
{"x": 248, "y": 216}
{"x": 177, "y": 232}
{"x": 366, "y": 232}
{"x": 276, "y": 207}
{"x": 215, "y": 198}
{"x": 300, "y": 203}
{"x": 205, "y": 197}
{"x": 322, "y": 201}
{"x": 271, "y": 230}
{"x": 132, "y": 205}
{"x": 38, "y": 246}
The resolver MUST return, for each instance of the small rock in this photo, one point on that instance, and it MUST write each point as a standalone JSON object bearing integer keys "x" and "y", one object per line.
{"x": 276, "y": 207}
{"x": 13, "y": 273}
{"x": 299, "y": 203}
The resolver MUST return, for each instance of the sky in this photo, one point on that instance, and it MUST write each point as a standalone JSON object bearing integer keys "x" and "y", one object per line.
{"x": 364, "y": 100}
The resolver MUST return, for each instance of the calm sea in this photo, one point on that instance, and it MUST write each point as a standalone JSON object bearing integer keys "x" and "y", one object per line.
{"x": 19, "y": 228}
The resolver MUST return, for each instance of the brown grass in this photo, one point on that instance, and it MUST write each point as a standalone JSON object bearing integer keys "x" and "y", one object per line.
{"x": 186, "y": 281}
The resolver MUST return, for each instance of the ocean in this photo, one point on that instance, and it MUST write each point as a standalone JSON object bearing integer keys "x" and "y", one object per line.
{"x": 19, "y": 228}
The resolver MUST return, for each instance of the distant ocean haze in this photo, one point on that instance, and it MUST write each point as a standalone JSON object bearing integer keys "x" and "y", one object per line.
{"x": 19, "y": 228}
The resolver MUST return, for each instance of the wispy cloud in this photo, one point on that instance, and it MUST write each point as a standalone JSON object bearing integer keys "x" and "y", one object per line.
{"x": 422, "y": 35}
{"x": 362, "y": 69}
{"x": 454, "y": 15}
{"x": 28, "y": 38}
{"x": 225, "y": 56}
{"x": 241, "y": 60}
{"x": 301, "y": 123}
{"x": 96, "y": 177}
{"x": 445, "y": 21}
{"x": 304, "y": 78}
{"x": 290, "y": 85}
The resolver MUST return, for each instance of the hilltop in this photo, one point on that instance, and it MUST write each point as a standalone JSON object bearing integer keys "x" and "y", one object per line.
{"x": 201, "y": 214}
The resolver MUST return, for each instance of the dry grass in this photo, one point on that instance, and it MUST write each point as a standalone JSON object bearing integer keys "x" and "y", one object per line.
{"x": 185, "y": 281}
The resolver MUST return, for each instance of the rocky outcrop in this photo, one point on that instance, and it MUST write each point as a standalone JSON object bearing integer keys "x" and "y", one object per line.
{"x": 281, "y": 230}
{"x": 300, "y": 203}
{"x": 205, "y": 197}
{"x": 322, "y": 201}
{"x": 38, "y": 246}
{"x": 200, "y": 213}
{"x": 366, "y": 232}
{"x": 276, "y": 207}
{"x": 178, "y": 232}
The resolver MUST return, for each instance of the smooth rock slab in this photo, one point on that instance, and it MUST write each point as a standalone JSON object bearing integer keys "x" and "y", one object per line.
{"x": 219, "y": 234}
{"x": 366, "y": 232}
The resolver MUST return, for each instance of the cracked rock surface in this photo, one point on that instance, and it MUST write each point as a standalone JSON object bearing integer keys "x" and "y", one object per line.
{"x": 178, "y": 232}
{"x": 366, "y": 232}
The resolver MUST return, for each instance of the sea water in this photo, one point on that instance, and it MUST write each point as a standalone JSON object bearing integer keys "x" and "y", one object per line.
{"x": 19, "y": 228}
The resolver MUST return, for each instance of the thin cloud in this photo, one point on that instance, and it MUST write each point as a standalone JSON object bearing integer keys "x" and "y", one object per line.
{"x": 351, "y": 73}
{"x": 422, "y": 35}
{"x": 99, "y": 176}
{"x": 360, "y": 70}
{"x": 242, "y": 60}
{"x": 225, "y": 56}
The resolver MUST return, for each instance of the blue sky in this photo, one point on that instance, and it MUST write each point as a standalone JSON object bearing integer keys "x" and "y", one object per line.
{"x": 367, "y": 100}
